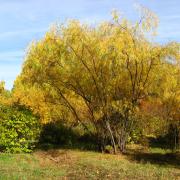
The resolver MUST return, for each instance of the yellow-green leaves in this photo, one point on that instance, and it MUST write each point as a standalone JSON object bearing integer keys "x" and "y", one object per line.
{"x": 93, "y": 73}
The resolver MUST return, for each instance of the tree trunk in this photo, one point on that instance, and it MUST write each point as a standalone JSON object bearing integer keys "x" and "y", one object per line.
{"x": 122, "y": 141}
{"x": 101, "y": 143}
{"x": 175, "y": 139}
{"x": 112, "y": 137}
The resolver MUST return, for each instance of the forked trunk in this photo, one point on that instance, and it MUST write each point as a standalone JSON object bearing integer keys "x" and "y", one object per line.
{"x": 112, "y": 137}
{"x": 122, "y": 141}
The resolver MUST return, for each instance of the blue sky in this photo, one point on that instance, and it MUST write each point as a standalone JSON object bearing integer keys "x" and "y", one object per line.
{"x": 25, "y": 20}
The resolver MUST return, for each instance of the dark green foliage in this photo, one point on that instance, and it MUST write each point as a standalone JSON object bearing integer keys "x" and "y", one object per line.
{"x": 57, "y": 134}
{"x": 173, "y": 137}
{"x": 168, "y": 140}
{"x": 19, "y": 129}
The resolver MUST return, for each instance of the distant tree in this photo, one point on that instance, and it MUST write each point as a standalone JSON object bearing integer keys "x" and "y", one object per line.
{"x": 170, "y": 96}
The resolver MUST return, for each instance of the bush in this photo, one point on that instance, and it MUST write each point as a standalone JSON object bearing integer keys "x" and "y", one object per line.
{"x": 135, "y": 136}
{"x": 19, "y": 129}
{"x": 57, "y": 134}
{"x": 168, "y": 140}
{"x": 144, "y": 141}
{"x": 109, "y": 149}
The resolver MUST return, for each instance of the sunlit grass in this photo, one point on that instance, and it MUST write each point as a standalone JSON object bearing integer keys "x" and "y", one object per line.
{"x": 74, "y": 164}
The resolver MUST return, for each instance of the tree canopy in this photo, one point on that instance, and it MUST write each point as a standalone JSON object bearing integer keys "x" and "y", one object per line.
{"x": 102, "y": 75}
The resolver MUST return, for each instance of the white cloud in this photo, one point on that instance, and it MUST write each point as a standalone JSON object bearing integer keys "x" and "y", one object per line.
{"x": 11, "y": 53}
{"x": 8, "y": 70}
{"x": 22, "y": 32}
{"x": 11, "y": 56}
{"x": 171, "y": 17}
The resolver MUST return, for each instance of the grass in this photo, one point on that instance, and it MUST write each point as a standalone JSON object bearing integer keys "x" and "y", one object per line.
{"x": 75, "y": 164}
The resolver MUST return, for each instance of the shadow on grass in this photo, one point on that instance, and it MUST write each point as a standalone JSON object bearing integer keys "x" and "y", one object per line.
{"x": 165, "y": 159}
{"x": 57, "y": 136}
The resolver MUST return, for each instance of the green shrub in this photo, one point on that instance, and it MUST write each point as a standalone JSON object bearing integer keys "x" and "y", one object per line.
{"x": 19, "y": 129}
{"x": 109, "y": 149}
{"x": 135, "y": 136}
{"x": 57, "y": 134}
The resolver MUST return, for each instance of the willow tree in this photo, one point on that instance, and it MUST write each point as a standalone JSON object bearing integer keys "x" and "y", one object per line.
{"x": 99, "y": 74}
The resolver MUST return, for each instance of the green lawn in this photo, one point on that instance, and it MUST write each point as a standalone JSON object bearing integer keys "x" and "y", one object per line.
{"x": 74, "y": 164}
